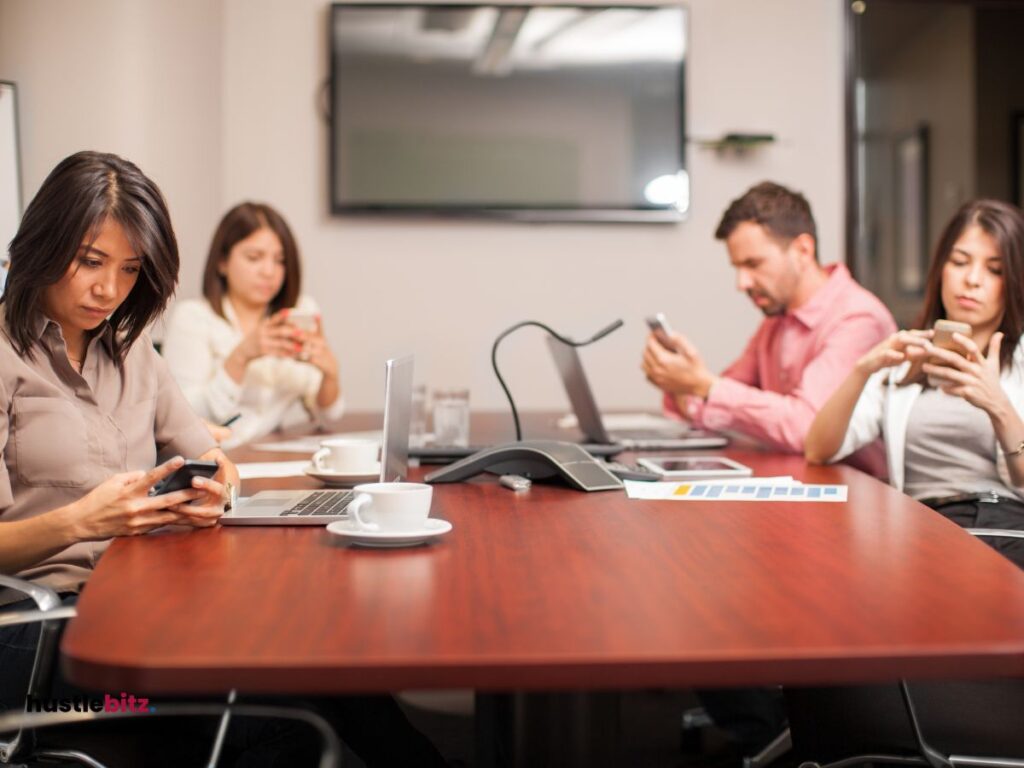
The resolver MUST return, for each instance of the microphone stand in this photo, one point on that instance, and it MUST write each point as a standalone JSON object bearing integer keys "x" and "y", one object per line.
{"x": 494, "y": 357}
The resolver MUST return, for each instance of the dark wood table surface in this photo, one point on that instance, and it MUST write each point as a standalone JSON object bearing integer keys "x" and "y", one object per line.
{"x": 557, "y": 589}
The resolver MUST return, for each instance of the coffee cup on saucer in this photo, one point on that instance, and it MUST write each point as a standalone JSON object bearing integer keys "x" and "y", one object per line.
{"x": 391, "y": 507}
{"x": 347, "y": 456}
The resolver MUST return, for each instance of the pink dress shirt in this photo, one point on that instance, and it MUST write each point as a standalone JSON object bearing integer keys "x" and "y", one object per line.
{"x": 792, "y": 365}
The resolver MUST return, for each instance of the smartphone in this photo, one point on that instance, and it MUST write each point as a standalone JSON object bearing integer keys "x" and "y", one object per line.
{"x": 662, "y": 331}
{"x": 304, "y": 321}
{"x": 944, "y": 330}
{"x": 181, "y": 478}
{"x": 943, "y": 339}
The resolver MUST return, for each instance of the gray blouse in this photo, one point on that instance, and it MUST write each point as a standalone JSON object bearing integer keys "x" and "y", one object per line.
{"x": 951, "y": 447}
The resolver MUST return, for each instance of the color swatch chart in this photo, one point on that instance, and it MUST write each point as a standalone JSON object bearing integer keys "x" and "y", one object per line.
{"x": 741, "y": 492}
{"x": 763, "y": 489}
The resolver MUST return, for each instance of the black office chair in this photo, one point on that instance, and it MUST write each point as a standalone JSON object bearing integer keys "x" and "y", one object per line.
{"x": 937, "y": 725}
{"x": 25, "y": 747}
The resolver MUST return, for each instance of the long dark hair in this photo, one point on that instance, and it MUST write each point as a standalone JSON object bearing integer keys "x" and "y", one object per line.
{"x": 237, "y": 224}
{"x": 1004, "y": 223}
{"x": 82, "y": 192}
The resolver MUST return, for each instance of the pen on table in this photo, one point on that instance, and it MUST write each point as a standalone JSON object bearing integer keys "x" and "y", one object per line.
{"x": 231, "y": 421}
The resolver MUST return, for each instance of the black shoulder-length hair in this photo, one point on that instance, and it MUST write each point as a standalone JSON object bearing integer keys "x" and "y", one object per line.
{"x": 237, "y": 224}
{"x": 1004, "y": 223}
{"x": 80, "y": 194}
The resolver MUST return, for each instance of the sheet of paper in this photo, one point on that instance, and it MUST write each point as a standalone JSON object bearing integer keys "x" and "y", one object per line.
{"x": 310, "y": 443}
{"x": 248, "y": 471}
{"x": 745, "y": 489}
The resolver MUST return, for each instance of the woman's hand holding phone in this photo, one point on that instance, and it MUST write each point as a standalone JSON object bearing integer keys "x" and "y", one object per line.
{"x": 969, "y": 374}
{"x": 897, "y": 348}
{"x": 122, "y": 506}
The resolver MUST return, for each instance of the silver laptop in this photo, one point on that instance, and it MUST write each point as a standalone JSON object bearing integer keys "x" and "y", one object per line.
{"x": 674, "y": 436}
{"x": 323, "y": 507}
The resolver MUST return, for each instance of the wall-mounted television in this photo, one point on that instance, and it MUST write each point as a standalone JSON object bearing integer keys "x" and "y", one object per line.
{"x": 553, "y": 112}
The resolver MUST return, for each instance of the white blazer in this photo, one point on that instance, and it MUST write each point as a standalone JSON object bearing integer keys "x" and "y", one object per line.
{"x": 884, "y": 410}
{"x": 275, "y": 392}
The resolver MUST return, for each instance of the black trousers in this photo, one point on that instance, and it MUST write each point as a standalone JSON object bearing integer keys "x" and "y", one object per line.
{"x": 374, "y": 727}
{"x": 1006, "y": 514}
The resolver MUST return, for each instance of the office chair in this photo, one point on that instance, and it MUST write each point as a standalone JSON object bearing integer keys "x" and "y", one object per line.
{"x": 697, "y": 718}
{"x": 25, "y": 747}
{"x": 883, "y": 725}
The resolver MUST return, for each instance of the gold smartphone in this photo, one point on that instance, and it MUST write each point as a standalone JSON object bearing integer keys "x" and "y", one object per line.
{"x": 944, "y": 330}
{"x": 943, "y": 339}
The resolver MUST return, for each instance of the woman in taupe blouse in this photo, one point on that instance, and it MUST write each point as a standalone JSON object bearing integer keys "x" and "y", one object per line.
{"x": 88, "y": 409}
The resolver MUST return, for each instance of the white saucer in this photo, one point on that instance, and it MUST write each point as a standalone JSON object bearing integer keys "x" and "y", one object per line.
{"x": 343, "y": 478}
{"x": 350, "y": 531}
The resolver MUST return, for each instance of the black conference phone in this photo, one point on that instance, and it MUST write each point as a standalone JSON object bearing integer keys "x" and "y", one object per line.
{"x": 536, "y": 460}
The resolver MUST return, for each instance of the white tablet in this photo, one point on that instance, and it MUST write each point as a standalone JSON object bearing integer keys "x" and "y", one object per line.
{"x": 694, "y": 467}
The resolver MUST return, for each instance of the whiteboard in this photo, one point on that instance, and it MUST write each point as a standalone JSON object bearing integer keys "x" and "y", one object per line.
{"x": 10, "y": 173}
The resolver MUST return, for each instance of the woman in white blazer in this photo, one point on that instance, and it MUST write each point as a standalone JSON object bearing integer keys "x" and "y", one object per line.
{"x": 950, "y": 419}
{"x": 253, "y": 347}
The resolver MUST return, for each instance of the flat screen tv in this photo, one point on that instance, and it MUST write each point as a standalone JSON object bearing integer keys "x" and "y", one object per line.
{"x": 555, "y": 112}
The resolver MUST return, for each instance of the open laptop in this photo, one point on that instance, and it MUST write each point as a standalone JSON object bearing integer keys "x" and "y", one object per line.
{"x": 675, "y": 435}
{"x": 323, "y": 507}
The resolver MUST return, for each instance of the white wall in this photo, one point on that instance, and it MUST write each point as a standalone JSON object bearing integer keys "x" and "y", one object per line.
{"x": 140, "y": 78}
{"x": 245, "y": 125}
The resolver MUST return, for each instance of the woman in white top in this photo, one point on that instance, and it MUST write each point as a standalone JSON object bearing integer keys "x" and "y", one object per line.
{"x": 957, "y": 446}
{"x": 253, "y": 347}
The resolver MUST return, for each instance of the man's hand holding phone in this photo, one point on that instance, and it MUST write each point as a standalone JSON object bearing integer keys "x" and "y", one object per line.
{"x": 672, "y": 363}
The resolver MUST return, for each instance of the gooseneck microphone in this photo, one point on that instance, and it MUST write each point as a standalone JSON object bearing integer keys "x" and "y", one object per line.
{"x": 494, "y": 356}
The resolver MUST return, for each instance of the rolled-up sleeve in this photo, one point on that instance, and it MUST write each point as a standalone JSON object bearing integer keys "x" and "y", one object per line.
{"x": 866, "y": 421}
{"x": 783, "y": 420}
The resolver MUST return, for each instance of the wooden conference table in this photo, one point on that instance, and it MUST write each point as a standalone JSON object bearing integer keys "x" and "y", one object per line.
{"x": 554, "y": 589}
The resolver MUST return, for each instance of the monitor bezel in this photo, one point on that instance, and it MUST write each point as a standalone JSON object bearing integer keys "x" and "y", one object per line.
{"x": 525, "y": 213}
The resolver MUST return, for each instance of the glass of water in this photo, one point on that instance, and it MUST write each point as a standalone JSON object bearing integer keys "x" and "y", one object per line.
{"x": 451, "y": 417}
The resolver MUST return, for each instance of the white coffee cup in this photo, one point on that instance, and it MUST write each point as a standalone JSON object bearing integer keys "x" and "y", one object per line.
{"x": 391, "y": 506}
{"x": 347, "y": 455}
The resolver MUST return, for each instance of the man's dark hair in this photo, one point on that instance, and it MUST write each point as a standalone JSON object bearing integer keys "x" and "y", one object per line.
{"x": 784, "y": 213}
{"x": 80, "y": 194}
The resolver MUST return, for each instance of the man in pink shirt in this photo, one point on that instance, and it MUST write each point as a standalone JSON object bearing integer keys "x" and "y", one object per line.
{"x": 818, "y": 322}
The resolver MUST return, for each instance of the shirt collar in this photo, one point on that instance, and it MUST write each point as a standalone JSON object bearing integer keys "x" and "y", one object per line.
{"x": 822, "y": 302}
{"x": 104, "y": 331}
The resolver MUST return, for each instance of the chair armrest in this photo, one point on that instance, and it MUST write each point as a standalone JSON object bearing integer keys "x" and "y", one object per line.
{"x": 45, "y": 597}
{"x": 10, "y": 618}
{"x": 995, "y": 533}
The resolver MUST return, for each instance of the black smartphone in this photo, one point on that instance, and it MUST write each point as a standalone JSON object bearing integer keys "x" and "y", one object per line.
{"x": 181, "y": 478}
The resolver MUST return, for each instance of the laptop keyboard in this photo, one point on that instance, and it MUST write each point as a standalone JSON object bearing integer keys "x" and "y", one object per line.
{"x": 321, "y": 503}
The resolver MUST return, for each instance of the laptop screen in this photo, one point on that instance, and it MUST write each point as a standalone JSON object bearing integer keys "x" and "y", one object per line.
{"x": 570, "y": 369}
{"x": 394, "y": 456}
